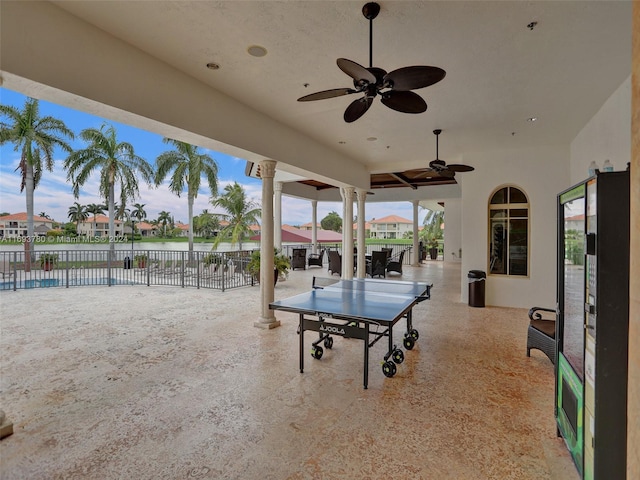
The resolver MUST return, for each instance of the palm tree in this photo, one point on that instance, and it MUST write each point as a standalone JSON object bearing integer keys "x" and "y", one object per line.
{"x": 78, "y": 213}
{"x": 188, "y": 166}
{"x": 206, "y": 223}
{"x": 241, "y": 214}
{"x": 164, "y": 218}
{"x": 44, "y": 215}
{"x": 117, "y": 163}
{"x": 36, "y": 138}
{"x": 433, "y": 225}
{"x": 95, "y": 209}
{"x": 139, "y": 213}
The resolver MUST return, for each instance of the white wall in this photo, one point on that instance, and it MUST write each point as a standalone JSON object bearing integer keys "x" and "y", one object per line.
{"x": 607, "y": 135}
{"x": 542, "y": 172}
{"x": 452, "y": 230}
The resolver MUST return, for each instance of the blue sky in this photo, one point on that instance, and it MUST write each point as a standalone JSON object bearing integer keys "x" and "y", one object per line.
{"x": 54, "y": 197}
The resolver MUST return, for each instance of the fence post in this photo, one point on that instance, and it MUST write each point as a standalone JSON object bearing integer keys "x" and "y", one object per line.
{"x": 109, "y": 268}
{"x": 182, "y": 269}
{"x": 15, "y": 271}
{"x": 66, "y": 261}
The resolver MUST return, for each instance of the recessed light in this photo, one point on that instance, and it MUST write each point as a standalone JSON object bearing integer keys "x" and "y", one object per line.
{"x": 213, "y": 66}
{"x": 372, "y": 139}
{"x": 257, "y": 51}
{"x": 532, "y": 119}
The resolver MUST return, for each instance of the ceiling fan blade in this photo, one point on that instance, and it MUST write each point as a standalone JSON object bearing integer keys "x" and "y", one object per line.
{"x": 460, "y": 168}
{"x": 357, "y": 108}
{"x": 411, "y": 78}
{"x": 336, "y": 92}
{"x": 447, "y": 173}
{"x": 356, "y": 71}
{"x": 405, "y": 102}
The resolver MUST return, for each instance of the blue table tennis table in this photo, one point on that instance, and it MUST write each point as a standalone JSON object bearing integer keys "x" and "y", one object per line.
{"x": 364, "y": 309}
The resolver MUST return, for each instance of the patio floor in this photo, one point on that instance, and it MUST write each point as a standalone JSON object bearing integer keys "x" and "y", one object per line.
{"x": 170, "y": 383}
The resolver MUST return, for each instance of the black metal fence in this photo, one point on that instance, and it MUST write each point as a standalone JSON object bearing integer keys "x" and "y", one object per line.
{"x": 74, "y": 268}
{"x": 48, "y": 268}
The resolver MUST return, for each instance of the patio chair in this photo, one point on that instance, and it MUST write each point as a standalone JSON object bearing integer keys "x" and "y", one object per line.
{"x": 316, "y": 259}
{"x": 6, "y": 270}
{"x": 335, "y": 262}
{"x": 377, "y": 267}
{"x": 298, "y": 258}
{"x": 541, "y": 334}
{"x": 395, "y": 265}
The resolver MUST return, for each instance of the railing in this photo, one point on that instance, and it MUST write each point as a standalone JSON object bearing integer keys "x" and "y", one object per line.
{"x": 396, "y": 248}
{"x": 219, "y": 270}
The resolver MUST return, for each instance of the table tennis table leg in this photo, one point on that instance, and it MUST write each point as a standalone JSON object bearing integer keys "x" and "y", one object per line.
{"x": 366, "y": 355}
{"x": 301, "y": 328}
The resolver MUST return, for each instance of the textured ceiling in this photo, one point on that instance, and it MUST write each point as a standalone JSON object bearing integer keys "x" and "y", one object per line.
{"x": 499, "y": 71}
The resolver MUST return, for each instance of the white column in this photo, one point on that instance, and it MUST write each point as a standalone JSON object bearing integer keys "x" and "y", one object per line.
{"x": 361, "y": 196}
{"x": 277, "y": 215}
{"x": 267, "y": 317}
{"x": 415, "y": 259}
{"x": 314, "y": 226}
{"x": 347, "y": 232}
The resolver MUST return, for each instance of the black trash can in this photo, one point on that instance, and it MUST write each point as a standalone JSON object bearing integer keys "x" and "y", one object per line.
{"x": 476, "y": 287}
{"x": 127, "y": 263}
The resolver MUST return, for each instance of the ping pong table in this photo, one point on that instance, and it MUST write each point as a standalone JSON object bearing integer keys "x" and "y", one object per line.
{"x": 364, "y": 309}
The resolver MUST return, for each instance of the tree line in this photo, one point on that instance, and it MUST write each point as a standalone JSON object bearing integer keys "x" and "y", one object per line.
{"x": 119, "y": 168}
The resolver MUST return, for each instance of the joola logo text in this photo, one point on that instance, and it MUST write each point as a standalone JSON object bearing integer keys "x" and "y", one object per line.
{"x": 330, "y": 329}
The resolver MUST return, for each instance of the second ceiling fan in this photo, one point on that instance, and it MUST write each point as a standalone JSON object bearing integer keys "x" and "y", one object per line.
{"x": 394, "y": 87}
{"x": 439, "y": 168}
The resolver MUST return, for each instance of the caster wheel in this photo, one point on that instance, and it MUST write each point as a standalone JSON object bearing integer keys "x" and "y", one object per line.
{"x": 408, "y": 342}
{"x": 316, "y": 352}
{"x": 397, "y": 356}
{"x": 328, "y": 342}
{"x": 414, "y": 334}
{"x": 389, "y": 369}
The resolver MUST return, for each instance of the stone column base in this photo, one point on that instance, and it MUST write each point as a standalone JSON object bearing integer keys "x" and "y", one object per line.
{"x": 267, "y": 325}
{"x": 6, "y": 427}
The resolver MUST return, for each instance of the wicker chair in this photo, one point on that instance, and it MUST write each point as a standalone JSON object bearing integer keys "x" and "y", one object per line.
{"x": 335, "y": 262}
{"x": 541, "y": 334}
{"x": 377, "y": 267}
{"x": 298, "y": 258}
{"x": 395, "y": 265}
{"x": 315, "y": 259}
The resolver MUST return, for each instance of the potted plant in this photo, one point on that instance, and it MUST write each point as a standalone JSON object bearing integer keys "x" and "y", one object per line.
{"x": 281, "y": 265}
{"x": 433, "y": 248}
{"x": 141, "y": 260}
{"x": 212, "y": 259}
{"x": 48, "y": 260}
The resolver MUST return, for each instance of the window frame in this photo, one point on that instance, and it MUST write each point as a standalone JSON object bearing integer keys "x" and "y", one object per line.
{"x": 506, "y": 221}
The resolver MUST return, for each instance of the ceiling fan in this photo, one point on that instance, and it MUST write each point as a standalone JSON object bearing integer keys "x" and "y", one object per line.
{"x": 438, "y": 168}
{"x": 394, "y": 87}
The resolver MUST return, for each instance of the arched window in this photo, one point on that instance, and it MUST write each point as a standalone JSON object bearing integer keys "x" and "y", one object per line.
{"x": 509, "y": 232}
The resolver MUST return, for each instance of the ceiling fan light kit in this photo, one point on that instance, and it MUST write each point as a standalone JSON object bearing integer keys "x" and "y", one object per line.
{"x": 394, "y": 88}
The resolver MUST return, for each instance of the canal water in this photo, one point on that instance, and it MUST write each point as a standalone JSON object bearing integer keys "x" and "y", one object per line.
{"x": 168, "y": 246}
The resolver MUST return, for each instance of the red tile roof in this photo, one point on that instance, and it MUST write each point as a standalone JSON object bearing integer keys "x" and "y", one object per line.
{"x": 22, "y": 217}
{"x": 391, "y": 219}
{"x": 99, "y": 219}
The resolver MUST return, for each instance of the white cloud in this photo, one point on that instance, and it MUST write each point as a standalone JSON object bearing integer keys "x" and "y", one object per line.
{"x": 54, "y": 197}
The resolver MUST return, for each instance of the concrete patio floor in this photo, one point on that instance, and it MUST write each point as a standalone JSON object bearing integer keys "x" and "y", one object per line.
{"x": 171, "y": 383}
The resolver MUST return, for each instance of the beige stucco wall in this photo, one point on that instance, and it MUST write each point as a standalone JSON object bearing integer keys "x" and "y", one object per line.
{"x": 542, "y": 172}
{"x": 606, "y": 136}
{"x": 633, "y": 417}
